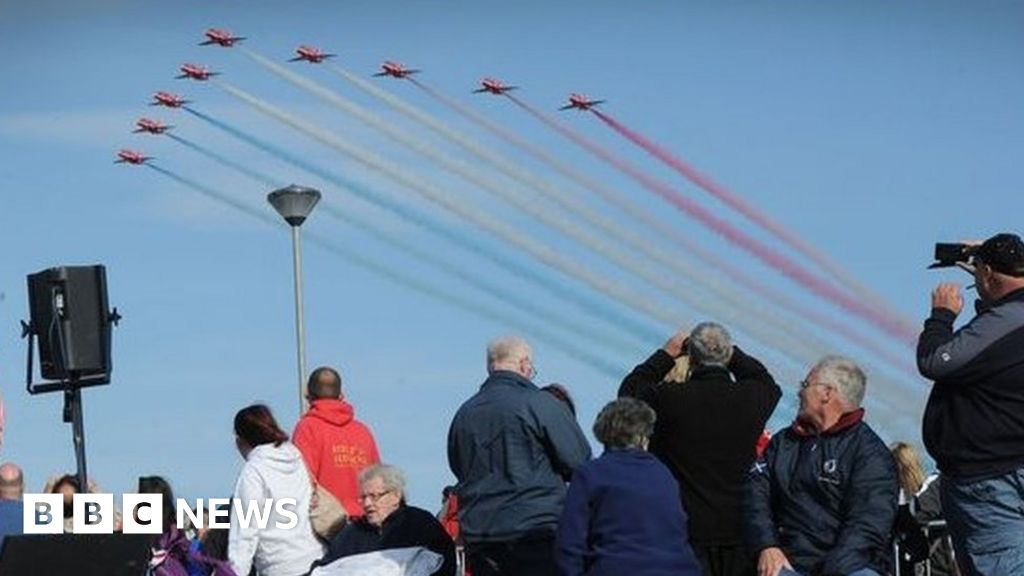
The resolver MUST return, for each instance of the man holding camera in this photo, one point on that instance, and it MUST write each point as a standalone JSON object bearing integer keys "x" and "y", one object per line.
{"x": 974, "y": 420}
{"x": 706, "y": 433}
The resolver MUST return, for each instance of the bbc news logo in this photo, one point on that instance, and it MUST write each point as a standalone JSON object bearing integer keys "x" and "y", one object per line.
{"x": 143, "y": 513}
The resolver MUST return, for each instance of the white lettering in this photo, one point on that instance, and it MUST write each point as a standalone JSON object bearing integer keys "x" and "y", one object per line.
{"x": 184, "y": 510}
{"x": 245, "y": 513}
{"x": 286, "y": 507}
{"x": 218, "y": 509}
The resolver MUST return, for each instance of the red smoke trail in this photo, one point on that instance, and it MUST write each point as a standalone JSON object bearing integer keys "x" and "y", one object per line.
{"x": 666, "y": 230}
{"x": 737, "y": 203}
{"x": 772, "y": 257}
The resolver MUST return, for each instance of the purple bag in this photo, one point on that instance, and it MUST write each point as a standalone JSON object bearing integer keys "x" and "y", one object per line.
{"x": 172, "y": 555}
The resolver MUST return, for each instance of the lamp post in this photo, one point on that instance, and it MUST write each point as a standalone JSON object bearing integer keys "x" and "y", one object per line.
{"x": 294, "y": 203}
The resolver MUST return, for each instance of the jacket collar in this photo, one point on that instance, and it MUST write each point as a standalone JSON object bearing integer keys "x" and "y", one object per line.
{"x": 846, "y": 421}
{"x": 507, "y": 377}
{"x": 981, "y": 306}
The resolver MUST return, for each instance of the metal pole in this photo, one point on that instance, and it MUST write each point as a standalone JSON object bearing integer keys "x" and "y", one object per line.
{"x": 300, "y": 337}
{"x": 73, "y": 398}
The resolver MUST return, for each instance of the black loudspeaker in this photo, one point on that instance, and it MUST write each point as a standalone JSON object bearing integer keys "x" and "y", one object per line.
{"x": 68, "y": 307}
{"x": 76, "y": 555}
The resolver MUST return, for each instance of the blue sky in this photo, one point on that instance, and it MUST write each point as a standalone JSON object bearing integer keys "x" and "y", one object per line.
{"x": 871, "y": 129}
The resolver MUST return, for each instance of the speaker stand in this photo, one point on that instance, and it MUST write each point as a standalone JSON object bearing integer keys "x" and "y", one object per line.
{"x": 73, "y": 414}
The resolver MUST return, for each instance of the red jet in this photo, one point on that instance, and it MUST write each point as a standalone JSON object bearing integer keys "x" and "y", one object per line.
{"x": 580, "y": 102}
{"x": 493, "y": 86}
{"x": 151, "y": 126}
{"x": 195, "y": 72}
{"x": 220, "y": 37}
{"x": 395, "y": 69}
{"x": 310, "y": 54}
{"x": 131, "y": 157}
{"x": 169, "y": 100}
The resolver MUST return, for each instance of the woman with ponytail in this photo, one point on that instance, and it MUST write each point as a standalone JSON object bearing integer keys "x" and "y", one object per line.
{"x": 273, "y": 470}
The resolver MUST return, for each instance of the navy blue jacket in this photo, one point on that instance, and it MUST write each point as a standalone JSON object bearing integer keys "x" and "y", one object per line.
{"x": 405, "y": 527}
{"x": 512, "y": 448}
{"x": 828, "y": 501}
{"x": 974, "y": 421}
{"x": 623, "y": 517}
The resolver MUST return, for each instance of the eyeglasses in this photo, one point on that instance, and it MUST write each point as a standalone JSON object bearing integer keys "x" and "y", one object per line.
{"x": 374, "y": 496}
{"x": 804, "y": 384}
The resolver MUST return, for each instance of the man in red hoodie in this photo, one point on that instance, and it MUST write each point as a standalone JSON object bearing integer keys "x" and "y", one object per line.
{"x": 335, "y": 445}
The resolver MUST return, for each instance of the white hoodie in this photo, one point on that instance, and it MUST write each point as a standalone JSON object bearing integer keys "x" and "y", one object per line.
{"x": 273, "y": 473}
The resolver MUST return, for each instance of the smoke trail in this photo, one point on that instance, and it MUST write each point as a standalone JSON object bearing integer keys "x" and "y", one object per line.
{"x": 487, "y": 312}
{"x": 662, "y": 229}
{"x": 782, "y": 264}
{"x": 583, "y": 301}
{"x": 225, "y": 161}
{"x": 538, "y": 250}
{"x": 760, "y": 327}
{"x": 494, "y": 289}
{"x": 846, "y": 280}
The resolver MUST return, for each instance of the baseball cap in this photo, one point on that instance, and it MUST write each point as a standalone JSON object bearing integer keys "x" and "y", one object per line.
{"x": 1004, "y": 253}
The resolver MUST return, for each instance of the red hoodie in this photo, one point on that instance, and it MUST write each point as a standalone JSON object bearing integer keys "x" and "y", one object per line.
{"x": 336, "y": 447}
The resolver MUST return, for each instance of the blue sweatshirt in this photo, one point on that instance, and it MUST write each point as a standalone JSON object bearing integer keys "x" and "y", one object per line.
{"x": 623, "y": 516}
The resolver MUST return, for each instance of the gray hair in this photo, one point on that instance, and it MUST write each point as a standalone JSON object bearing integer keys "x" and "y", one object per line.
{"x": 845, "y": 375}
{"x": 507, "y": 350}
{"x": 624, "y": 423}
{"x": 391, "y": 476}
{"x": 710, "y": 345}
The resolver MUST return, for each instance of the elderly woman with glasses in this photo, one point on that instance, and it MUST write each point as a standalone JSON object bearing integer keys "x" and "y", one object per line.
{"x": 622, "y": 514}
{"x": 390, "y": 523}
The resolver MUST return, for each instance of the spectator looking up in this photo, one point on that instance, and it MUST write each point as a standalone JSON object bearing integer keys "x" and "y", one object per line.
{"x": 622, "y": 513}
{"x": 823, "y": 498}
{"x": 273, "y": 470}
{"x": 512, "y": 448}
{"x": 973, "y": 424}
{"x": 707, "y": 429}
{"x": 334, "y": 445}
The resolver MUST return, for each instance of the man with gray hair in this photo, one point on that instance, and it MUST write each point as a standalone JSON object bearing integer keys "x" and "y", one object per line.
{"x": 823, "y": 498}
{"x": 512, "y": 448}
{"x": 706, "y": 433}
{"x": 12, "y": 488}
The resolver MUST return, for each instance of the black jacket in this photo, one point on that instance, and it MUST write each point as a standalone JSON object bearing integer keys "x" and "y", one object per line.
{"x": 828, "y": 501}
{"x": 974, "y": 421}
{"x": 512, "y": 448}
{"x": 405, "y": 527}
{"x": 706, "y": 432}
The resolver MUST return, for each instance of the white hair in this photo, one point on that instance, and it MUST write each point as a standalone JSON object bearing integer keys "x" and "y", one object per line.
{"x": 391, "y": 476}
{"x": 845, "y": 375}
{"x": 710, "y": 345}
{"x": 506, "y": 351}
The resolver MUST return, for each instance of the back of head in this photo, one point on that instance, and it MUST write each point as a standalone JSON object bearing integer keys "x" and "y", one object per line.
{"x": 561, "y": 393}
{"x": 624, "y": 423}
{"x": 67, "y": 480}
{"x": 908, "y": 464}
{"x": 324, "y": 382}
{"x": 12, "y": 482}
{"x": 709, "y": 344}
{"x": 845, "y": 376}
{"x": 507, "y": 353}
{"x": 256, "y": 426}
{"x": 680, "y": 371}
{"x": 158, "y": 485}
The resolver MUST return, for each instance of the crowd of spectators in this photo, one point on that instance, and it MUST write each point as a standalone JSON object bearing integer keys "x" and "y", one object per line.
{"x": 689, "y": 481}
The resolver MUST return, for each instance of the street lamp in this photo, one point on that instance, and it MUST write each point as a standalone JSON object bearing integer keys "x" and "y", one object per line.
{"x": 294, "y": 203}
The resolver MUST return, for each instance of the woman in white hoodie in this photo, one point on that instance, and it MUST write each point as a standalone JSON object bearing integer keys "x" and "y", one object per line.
{"x": 274, "y": 537}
